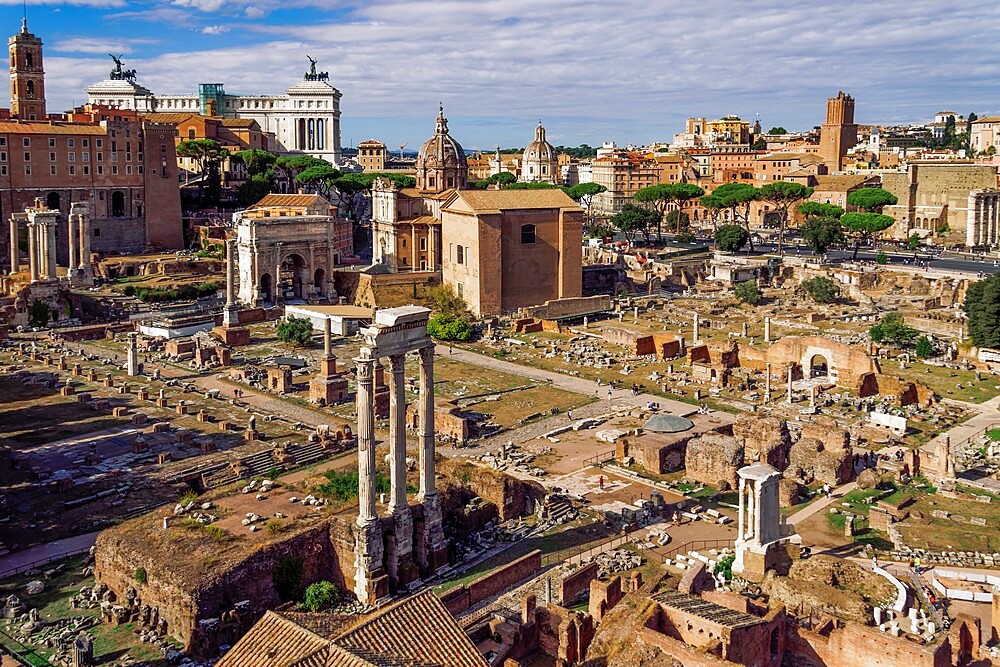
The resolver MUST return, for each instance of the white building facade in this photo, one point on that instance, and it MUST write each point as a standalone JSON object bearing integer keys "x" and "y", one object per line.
{"x": 305, "y": 120}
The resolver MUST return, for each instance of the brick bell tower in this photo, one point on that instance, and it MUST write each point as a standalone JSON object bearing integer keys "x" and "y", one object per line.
{"x": 27, "y": 79}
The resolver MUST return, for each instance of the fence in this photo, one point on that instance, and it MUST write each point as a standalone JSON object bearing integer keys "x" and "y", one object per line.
{"x": 598, "y": 459}
{"x": 692, "y": 545}
{"x": 959, "y": 594}
{"x": 10, "y": 572}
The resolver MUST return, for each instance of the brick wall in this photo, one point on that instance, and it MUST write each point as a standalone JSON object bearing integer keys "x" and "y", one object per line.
{"x": 577, "y": 582}
{"x": 465, "y": 596}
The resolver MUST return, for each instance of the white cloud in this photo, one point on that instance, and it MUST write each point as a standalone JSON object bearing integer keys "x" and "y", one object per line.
{"x": 255, "y": 12}
{"x": 591, "y": 71}
{"x": 214, "y": 30}
{"x": 76, "y": 3}
{"x": 99, "y": 45}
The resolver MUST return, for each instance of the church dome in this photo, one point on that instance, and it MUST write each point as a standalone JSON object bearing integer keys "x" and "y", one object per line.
{"x": 540, "y": 150}
{"x": 441, "y": 162}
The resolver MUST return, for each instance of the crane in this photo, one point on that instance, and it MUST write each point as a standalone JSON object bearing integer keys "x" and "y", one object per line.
{"x": 402, "y": 146}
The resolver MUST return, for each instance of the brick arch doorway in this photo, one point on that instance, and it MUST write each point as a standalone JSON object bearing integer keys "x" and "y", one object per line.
{"x": 819, "y": 366}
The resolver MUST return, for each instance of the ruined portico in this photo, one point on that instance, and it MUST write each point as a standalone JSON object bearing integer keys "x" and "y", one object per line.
{"x": 41, "y": 224}
{"x": 760, "y": 534}
{"x": 409, "y": 546}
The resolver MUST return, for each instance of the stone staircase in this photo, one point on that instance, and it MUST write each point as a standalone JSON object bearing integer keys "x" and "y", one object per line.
{"x": 259, "y": 464}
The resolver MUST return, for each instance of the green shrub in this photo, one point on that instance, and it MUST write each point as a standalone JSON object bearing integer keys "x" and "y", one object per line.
{"x": 447, "y": 327}
{"x": 275, "y": 525}
{"x": 39, "y": 313}
{"x": 342, "y": 485}
{"x": 822, "y": 290}
{"x": 725, "y": 566}
{"x": 749, "y": 292}
{"x": 924, "y": 347}
{"x": 295, "y": 331}
{"x": 140, "y": 575}
{"x": 881, "y": 258}
{"x": 185, "y": 292}
{"x": 216, "y": 533}
{"x": 287, "y": 577}
{"x": 129, "y": 290}
{"x": 320, "y": 595}
{"x": 730, "y": 238}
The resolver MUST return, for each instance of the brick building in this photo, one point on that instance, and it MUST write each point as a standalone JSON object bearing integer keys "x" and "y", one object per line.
{"x": 507, "y": 249}
{"x": 123, "y": 166}
{"x": 839, "y": 132}
{"x": 623, "y": 173}
{"x": 372, "y": 155}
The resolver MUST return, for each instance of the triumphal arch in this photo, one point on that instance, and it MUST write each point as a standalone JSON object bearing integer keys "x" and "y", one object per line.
{"x": 287, "y": 247}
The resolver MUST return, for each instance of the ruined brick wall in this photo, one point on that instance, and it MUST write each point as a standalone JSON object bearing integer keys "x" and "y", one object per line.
{"x": 765, "y": 439}
{"x": 810, "y": 459}
{"x": 713, "y": 458}
{"x": 576, "y": 582}
{"x": 513, "y": 497}
{"x": 604, "y": 595}
{"x": 497, "y": 581}
{"x": 856, "y": 644}
{"x": 847, "y": 362}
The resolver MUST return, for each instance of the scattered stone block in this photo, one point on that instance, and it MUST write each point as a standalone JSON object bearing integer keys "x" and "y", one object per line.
{"x": 120, "y": 411}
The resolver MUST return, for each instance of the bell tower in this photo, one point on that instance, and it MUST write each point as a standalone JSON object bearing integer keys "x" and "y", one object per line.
{"x": 27, "y": 78}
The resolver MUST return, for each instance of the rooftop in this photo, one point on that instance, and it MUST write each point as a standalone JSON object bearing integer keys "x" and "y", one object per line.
{"x": 501, "y": 200}
{"x": 710, "y": 611}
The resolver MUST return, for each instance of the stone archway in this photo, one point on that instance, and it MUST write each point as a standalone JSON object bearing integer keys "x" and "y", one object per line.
{"x": 294, "y": 275}
{"x": 265, "y": 287}
{"x": 319, "y": 282}
{"x": 819, "y": 366}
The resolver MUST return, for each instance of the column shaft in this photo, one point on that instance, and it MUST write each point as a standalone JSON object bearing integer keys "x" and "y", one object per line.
{"x": 742, "y": 508}
{"x": 425, "y": 427}
{"x": 85, "y": 241}
{"x": 33, "y": 251}
{"x": 15, "y": 255}
{"x": 366, "y": 442}
{"x": 71, "y": 224}
{"x": 397, "y": 434}
{"x": 230, "y": 286}
{"x": 50, "y": 249}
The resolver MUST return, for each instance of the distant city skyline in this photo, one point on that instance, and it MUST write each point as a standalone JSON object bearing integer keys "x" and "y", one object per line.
{"x": 591, "y": 74}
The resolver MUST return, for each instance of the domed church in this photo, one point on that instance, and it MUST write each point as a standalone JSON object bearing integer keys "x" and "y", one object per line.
{"x": 539, "y": 162}
{"x": 406, "y": 222}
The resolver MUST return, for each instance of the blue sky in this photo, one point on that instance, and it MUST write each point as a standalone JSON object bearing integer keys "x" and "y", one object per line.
{"x": 629, "y": 70}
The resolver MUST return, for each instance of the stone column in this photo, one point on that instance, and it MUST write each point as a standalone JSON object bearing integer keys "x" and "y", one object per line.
{"x": 433, "y": 232}
{"x": 15, "y": 255}
{"x": 230, "y": 315}
{"x": 132, "y": 359}
{"x": 414, "y": 248}
{"x": 277, "y": 274}
{"x": 327, "y": 335}
{"x": 767, "y": 329}
{"x": 50, "y": 248}
{"x": 71, "y": 225}
{"x": 742, "y": 509}
{"x": 432, "y": 549}
{"x": 85, "y": 236}
{"x": 697, "y": 328}
{"x": 33, "y": 250}
{"x": 366, "y": 440}
{"x": 369, "y": 579}
{"x": 767, "y": 382}
{"x": 397, "y": 434}
{"x": 789, "y": 385}
{"x": 399, "y": 545}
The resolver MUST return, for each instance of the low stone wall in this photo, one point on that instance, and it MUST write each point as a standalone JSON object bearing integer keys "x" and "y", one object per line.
{"x": 459, "y": 599}
{"x": 570, "y": 307}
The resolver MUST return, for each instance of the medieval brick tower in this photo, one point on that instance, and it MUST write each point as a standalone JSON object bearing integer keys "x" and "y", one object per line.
{"x": 839, "y": 132}
{"x": 27, "y": 78}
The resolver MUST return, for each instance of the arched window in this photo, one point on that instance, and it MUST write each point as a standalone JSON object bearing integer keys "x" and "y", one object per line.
{"x": 460, "y": 258}
{"x": 117, "y": 204}
{"x": 29, "y": 59}
{"x": 31, "y": 89}
{"x": 527, "y": 233}
{"x": 191, "y": 133}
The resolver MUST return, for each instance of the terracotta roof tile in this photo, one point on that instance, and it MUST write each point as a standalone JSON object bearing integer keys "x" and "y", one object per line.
{"x": 840, "y": 183}
{"x": 418, "y": 628}
{"x": 292, "y": 200}
{"x": 273, "y": 642}
{"x": 499, "y": 200}
{"x": 7, "y": 127}
{"x": 168, "y": 118}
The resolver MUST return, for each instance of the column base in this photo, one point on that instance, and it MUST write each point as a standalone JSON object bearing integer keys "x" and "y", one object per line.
{"x": 232, "y": 336}
{"x": 328, "y": 390}
{"x": 370, "y": 581}
{"x": 430, "y": 546}
{"x": 399, "y": 561}
{"x": 230, "y": 317}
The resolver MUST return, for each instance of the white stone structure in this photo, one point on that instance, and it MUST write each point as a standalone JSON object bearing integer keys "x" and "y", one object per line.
{"x": 982, "y": 226}
{"x": 539, "y": 163}
{"x": 306, "y": 119}
{"x": 394, "y": 333}
{"x": 758, "y": 527}
{"x": 287, "y": 247}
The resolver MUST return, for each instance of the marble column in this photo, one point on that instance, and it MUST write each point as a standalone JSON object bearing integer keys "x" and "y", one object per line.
{"x": 789, "y": 385}
{"x": 33, "y": 251}
{"x": 71, "y": 226}
{"x": 767, "y": 329}
{"x": 50, "y": 248}
{"x": 15, "y": 254}
{"x": 433, "y": 231}
{"x": 278, "y": 296}
{"x": 767, "y": 382}
{"x": 366, "y": 440}
{"x": 742, "y": 509}
{"x": 327, "y": 335}
{"x": 432, "y": 549}
{"x": 85, "y": 243}
{"x": 230, "y": 316}
{"x": 132, "y": 358}
{"x": 397, "y": 434}
{"x": 697, "y": 328}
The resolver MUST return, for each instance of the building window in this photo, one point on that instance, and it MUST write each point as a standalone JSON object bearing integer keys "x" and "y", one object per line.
{"x": 86, "y": 157}
{"x": 117, "y": 204}
{"x": 100, "y": 169}
{"x": 27, "y": 170}
{"x": 27, "y": 156}
{"x": 52, "y": 170}
{"x": 71, "y": 142}
{"x": 71, "y": 156}
{"x": 72, "y": 170}
{"x": 527, "y": 233}
{"x": 100, "y": 143}
{"x": 3, "y": 156}
{"x": 460, "y": 258}
{"x": 86, "y": 143}
{"x": 114, "y": 169}
{"x": 52, "y": 142}
{"x": 97, "y": 232}
{"x": 423, "y": 243}
{"x": 86, "y": 170}
{"x": 27, "y": 141}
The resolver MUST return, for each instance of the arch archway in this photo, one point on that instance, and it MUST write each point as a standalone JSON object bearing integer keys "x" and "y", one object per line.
{"x": 265, "y": 287}
{"x": 294, "y": 274}
{"x": 319, "y": 282}
{"x": 52, "y": 201}
{"x": 819, "y": 366}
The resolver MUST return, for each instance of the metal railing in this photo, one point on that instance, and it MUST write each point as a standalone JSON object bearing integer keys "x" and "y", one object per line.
{"x": 10, "y": 572}
{"x": 598, "y": 459}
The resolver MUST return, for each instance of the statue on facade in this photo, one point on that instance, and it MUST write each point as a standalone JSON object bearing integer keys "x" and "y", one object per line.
{"x": 118, "y": 73}
{"x": 312, "y": 74}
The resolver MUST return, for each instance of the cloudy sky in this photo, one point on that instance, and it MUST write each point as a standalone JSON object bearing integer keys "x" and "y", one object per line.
{"x": 591, "y": 70}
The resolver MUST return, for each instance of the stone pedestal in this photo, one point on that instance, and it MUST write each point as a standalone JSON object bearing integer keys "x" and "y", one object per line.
{"x": 120, "y": 411}
{"x": 142, "y": 395}
{"x": 181, "y": 408}
{"x": 431, "y": 548}
{"x": 399, "y": 552}
{"x": 328, "y": 390}
{"x": 232, "y": 336}
{"x": 67, "y": 390}
{"x": 370, "y": 581}
{"x": 77, "y": 371}
{"x": 161, "y": 403}
{"x": 91, "y": 376}
{"x": 251, "y": 435}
